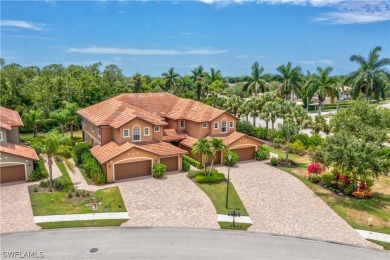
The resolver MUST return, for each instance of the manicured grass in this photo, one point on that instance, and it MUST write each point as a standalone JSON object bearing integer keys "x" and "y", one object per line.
{"x": 386, "y": 246}
{"x": 237, "y": 226}
{"x": 57, "y": 203}
{"x": 217, "y": 194}
{"x": 87, "y": 179}
{"x": 354, "y": 211}
{"x": 30, "y": 136}
{"x": 82, "y": 223}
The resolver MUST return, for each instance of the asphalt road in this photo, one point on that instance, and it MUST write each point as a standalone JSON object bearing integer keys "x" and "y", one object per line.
{"x": 164, "y": 243}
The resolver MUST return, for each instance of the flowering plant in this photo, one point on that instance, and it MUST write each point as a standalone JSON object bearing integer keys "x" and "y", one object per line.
{"x": 364, "y": 194}
{"x": 315, "y": 168}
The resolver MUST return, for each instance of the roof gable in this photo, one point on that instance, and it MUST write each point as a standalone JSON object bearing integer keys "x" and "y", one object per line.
{"x": 9, "y": 118}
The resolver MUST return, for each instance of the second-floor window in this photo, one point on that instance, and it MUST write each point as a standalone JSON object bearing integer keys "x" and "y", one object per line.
{"x": 157, "y": 129}
{"x": 1, "y": 136}
{"x": 231, "y": 124}
{"x": 93, "y": 128}
{"x": 182, "y": 124}
{"x": 215, "y": 125}
{"x": 204, "y": 125}
{"x": 126, "y": 133}
{"x": 136, "y": 134}
{"x": 223, "y": 127}
{"x": 146, "y": 131}
{"x": 99, "y": 132}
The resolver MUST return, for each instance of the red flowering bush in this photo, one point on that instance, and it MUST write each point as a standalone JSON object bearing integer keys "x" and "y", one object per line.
{"x": 315, "y": 168}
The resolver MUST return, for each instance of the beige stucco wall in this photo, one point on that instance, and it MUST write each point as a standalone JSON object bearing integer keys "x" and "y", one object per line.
{"x": 106, "y": 135}
{"x": 172, "y": 124}
{"x": 243, "y": 142}
{"x": 92, "y": 135}
{"x": 225, "y": 116}
{"x": 13, "y": 136}
{"x": 12, "y": 160}
{"x": 118, "y": 133}
{"x": 196, "y": 130}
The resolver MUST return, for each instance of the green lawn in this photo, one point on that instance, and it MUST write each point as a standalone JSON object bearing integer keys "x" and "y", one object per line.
{"x": 386, "y": 246}
{"x": 30, "y": 136}
{"x": 83, "y": 223}
{"x": 87, "y": 179}
{"x": 217, "y": 194}
{"x": 237, "y": 226}
{"x": 56, "y": 203}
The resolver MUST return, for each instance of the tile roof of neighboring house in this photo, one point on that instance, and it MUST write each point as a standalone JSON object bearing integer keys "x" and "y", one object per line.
{"x": 189, "y": 141}
{"x": 172, "y": 135}
{"x": 9, "y": 118}
{"x": 18, "y": 150}
{"x": 228, "y": 139}
{"x": 104, "y": 153}
{"x": 152, "y": 107}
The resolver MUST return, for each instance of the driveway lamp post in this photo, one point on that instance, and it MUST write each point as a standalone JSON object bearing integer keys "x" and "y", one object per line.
{"x": 227, "y": 188}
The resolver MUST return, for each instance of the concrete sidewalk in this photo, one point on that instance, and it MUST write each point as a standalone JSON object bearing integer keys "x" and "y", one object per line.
{"x": 75, "y": 217}
{"x": 374, "y": 235}
{"x": 226, "y": 218}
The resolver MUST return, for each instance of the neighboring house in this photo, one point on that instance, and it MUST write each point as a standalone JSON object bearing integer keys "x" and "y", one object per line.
{"x": 16, "y": 161}
{"x": 131, "y": 132}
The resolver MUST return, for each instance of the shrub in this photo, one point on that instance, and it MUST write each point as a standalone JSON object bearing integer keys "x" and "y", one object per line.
{"x": 369, "y": 184}
{"x": 35, "y": 189}
{"x": 274, "y": 161}
{"x": 64, "y": 151}
{"x": 185, "y": 166}
{"x": 244, "y": 127}
{"x": 234, "y": 159}
{"x": 78, "y": 150}
{"x": 193, "y": 162}
{"x": 348, "y": 190}
{"x": 314, "y": 178}
{"x": 38, "y": 147}
{"x": 315, "y": 140}
{"x": 262, "y": 153}
{"x": 304, "y": 138}
{"x": 159, "y": 170}
{"x": 327, "y": 178}
{"x": 69, "y": 195}
{"x": 39, "y": 172}
{"x": 277, "y": 142}
{"x": 260, "y": 132}
{"x": 77, "y": 193}
{"x": 365, "y": 194}
{"x": 297, "y": 147}
{"x": 44, "y": 184}
{"x": 315, "y": 168}
{"x": 191, "y": 174}
{"x": 213, "y": 178}
{"x": 58, "y": 185}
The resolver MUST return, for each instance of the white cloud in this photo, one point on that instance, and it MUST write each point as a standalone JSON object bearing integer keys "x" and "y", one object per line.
{"x": 313, "y": 62}
{"x": 307, "y": 62}
{"x": 22, "y": 24}
{"x": 127, "y": 51}
{"x": 325, "y": 62}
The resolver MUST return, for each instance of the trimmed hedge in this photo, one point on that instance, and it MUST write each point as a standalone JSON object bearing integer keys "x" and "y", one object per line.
{"x": 185, "y": 166}
{"x": 262, "y": 153}
{"x": 159, "y": 170}
{"x": 193, "y": 162}
{"x": 89, "y": 163}
{"x": 274, "y": 161}
{"x": 78, "y": 150}
{"x": 234, "y": 159}
{"x": 213, "y": 178}
{"x": 39, "y": 172}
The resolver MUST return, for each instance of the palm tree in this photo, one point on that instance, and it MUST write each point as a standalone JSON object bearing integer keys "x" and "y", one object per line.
{"x": 214, "y": 75}
{"x": 372, "y": 75}
{"x": 288, "y": 129}
{"x": 232, "y": 104}
{"x": 300, "y": 115}
{"x": 255, "y": 106}
{"x": 244, "y": 109}
{"x": 324, "y": 85}
{"x": 171, "y": 79}
{"x": 287, "y": 109}
{"x": 137, "y": 83}
{"x": 256, "y": 82}
{"x": 304, "y": 92}
{"x": 198, "y": 77}
{"x": 52, "y": 142}
{"x": 203, "y": 147}
{"x": 73, "y": 117}
{"x": 61, "y": 117}
{"x": 34, "y": 118}
{"x": 290, "y": 79}
{"x": 271, "y": 111}
{"x": 218, "y": 146}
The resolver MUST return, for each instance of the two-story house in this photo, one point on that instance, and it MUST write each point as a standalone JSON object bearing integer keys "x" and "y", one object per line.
{"x": 131, "y": 132}
{"x": 16, "y": 161}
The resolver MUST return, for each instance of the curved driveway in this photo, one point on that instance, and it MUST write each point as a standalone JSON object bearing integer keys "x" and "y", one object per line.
{"x": 277, "y": 202}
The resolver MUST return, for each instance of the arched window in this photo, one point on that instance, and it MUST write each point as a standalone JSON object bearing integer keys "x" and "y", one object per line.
{"x": 136, "y": 133}
{"x": 223, "y": 126}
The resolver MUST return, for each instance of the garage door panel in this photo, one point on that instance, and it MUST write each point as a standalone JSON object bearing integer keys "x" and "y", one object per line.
{"x": 171, "y": 163}
{"x": 12, "y": 173}
{"x": 133, "y": 169}
{"x": 245, "y": 154}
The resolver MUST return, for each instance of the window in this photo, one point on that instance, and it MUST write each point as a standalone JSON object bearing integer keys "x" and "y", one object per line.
{"x": 215, "y": 125}
{"x": 146, "y": 131}
{"x": 223, "y": 127}
{"x": 157, "y": 129}
{"x": 82, "y": 122}
{"x": 204, "y": 125}
{"x": 182, "y": 124}
{"x": 93, "y": 128}
{"x": 1, "y": 136}
{"x": 136, "y": 134}
{"x": 94, "y": 143}
{"x": 126, "y": 133}
{"x": 231, "y": 124}
{"x": 99, "y": 132}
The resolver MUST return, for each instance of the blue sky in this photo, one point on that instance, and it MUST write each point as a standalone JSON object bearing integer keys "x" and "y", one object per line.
{"x": 150, "y": 37}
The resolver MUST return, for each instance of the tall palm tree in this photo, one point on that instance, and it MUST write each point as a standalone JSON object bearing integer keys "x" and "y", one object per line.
{"x": 61, "y": 117}
{"x": 218, "y": 146}
{"x": 255, "y": 106}
{"x": 300, "y": 115}
{"x": 288, "y": 129}
{"x": 372, "y": 75}
{"x": 73, "y": 117}
{"x": 137, "y": 83}
{"x": 271, "y": 111}
{"x": 287, "y": 109}
{"x": 305, "y": 89}
{"x": 256, "y": 82}
{"x": 244, "y": 110}
{"x": 290, "y": 79}
{"x": 34, "y": 118}
{"x": 203, "y": 147}
{"x": 324, "y": 85}
{"x": 171, "y": 79}
{"x": 232, "y": 104}
{"x": 214, "y": 75}
{"x": 198, "y": 77}
{"x": 52, "y": 142}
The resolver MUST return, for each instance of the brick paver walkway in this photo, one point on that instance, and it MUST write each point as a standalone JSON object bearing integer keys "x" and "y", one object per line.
{"x": 277, "y": 202}
{"x": 171, "y": 202}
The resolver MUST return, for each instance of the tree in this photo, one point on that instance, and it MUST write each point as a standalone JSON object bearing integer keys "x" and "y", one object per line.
{"x": 138, "y": 84}
{"x": 255, "y": 82}
{"x": 288, "y": 129}
{"x": 218, "y": 146}
{"x": 73, "y": 117}
{"x": 318, "y": 124}
{"x": 271, "y": 111}
{"x": 255, "y": 105}
{"x": 61, "y": 117}
{"x": 300, "y": 115}
{"x": 232, "y": 104}
{"x": 52, "y": 142}
{"x": 290, "y": 79}
{"x": 244, "y": 110}
{"x": 214, "y": 75}
{"x": 171, "y": 79}
{"x": 203, "y": 147}
{"x": 198, "y": 78}
{"x": 34, "y": 118}
{"x": 372, "y": 75}
{"x": 324, "y": 85}
{"x": 357, "y": 143}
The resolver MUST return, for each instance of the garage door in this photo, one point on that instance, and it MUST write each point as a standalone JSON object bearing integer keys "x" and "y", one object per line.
{"x": 171, "y": 163}
{"x": 134, "y": 169}
{"x": 217, "y": 159}
{"x": 12, "y": 173}
{"x": 245, "y": 154}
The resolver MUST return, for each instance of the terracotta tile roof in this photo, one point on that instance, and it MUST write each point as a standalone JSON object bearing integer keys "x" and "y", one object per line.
{"x": 104, "y": 153}
{"x": 172, "y": 135}
{"x": 9, "y": 118}
{"x": 228, "y": 139}
{"x": 22, "y": 151}
{"x": 152, "y": 107}
{"x": 162, "y": 148}
{"x": 189, "y": 141}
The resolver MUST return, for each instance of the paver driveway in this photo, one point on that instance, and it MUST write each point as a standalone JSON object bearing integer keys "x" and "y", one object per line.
{"x": 174, "y": 201}
{"x": 280, "y": 203}
{"x": 15, "y": 207}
